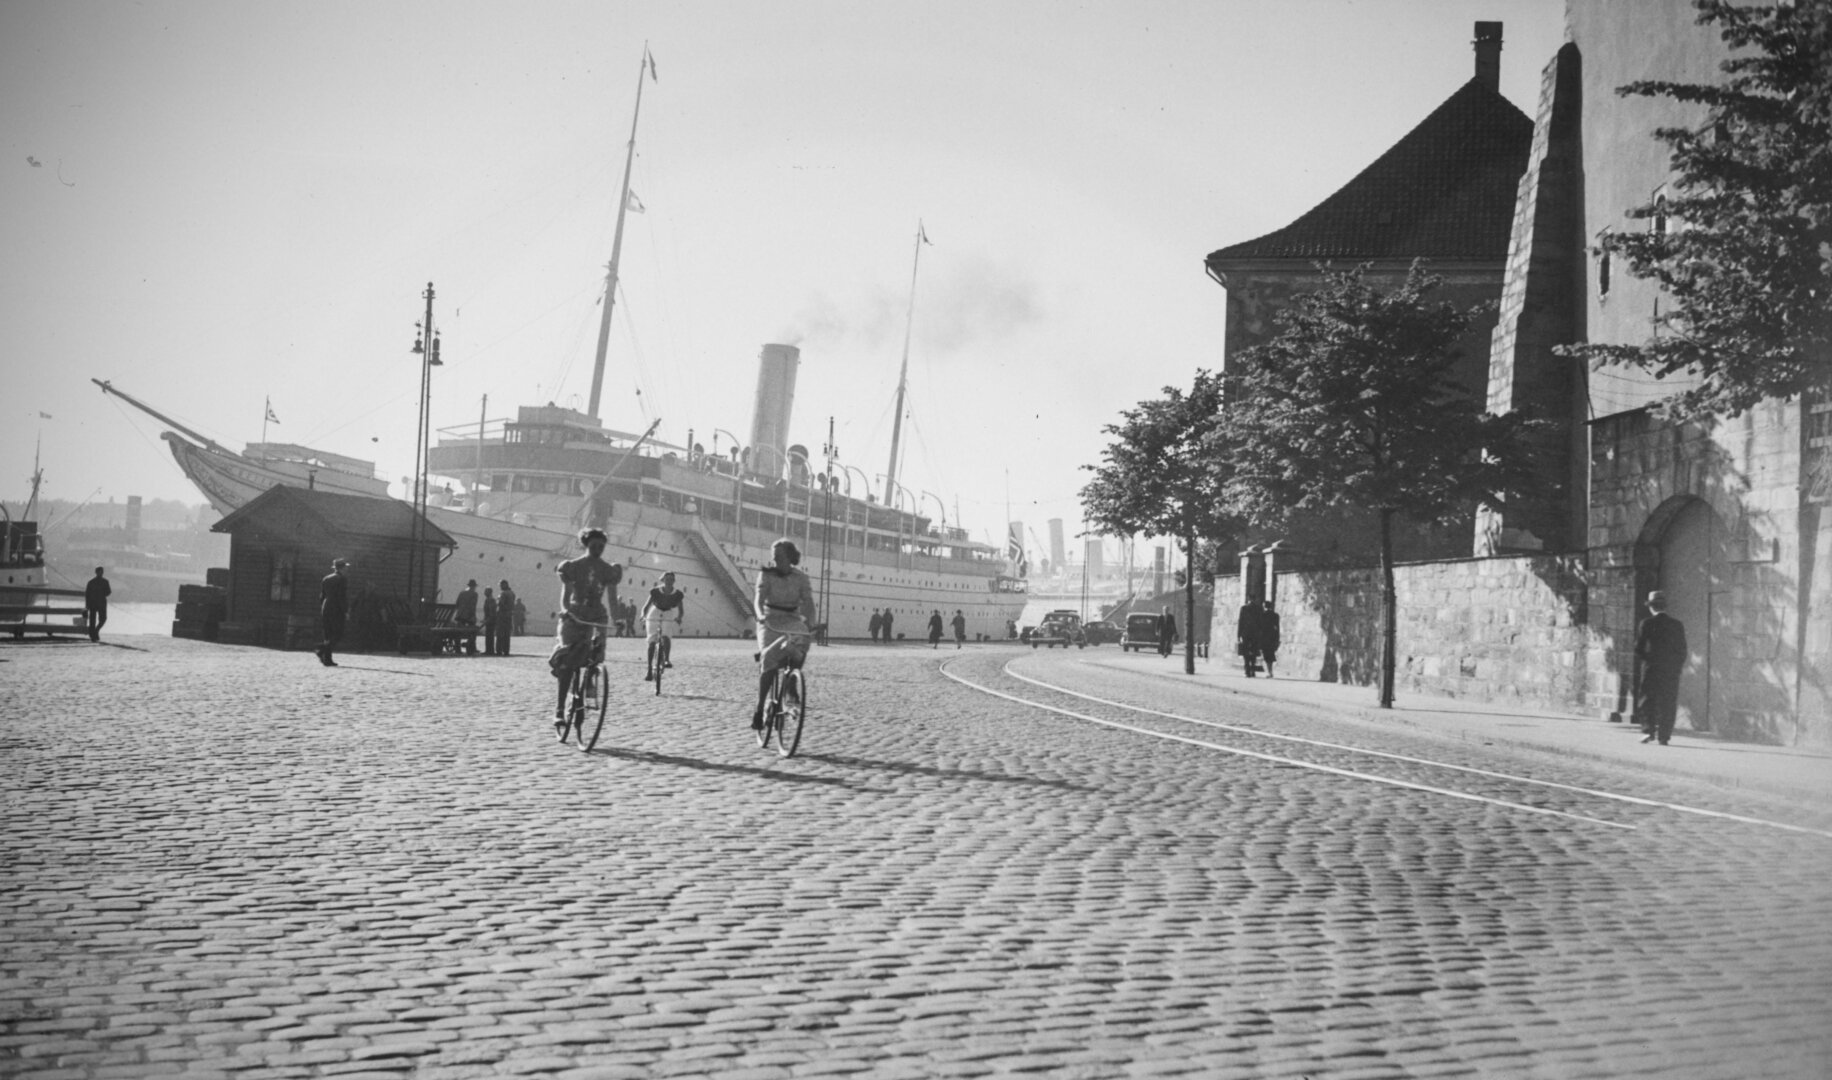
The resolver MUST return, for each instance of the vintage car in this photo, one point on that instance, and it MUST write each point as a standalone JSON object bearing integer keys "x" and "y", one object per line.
{"x": 1059, "y": 628}
{"x": 1102, "y": 632}
{"x": 1142, "y": 633}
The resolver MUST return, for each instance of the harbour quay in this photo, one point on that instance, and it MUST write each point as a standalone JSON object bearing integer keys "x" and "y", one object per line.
{"x": 235, "y": 862}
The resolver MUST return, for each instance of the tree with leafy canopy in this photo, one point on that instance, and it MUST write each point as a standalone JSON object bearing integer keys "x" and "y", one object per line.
{"x": 1353, "y": 405}
{"x": 1159, "y": 478}
{"x": 1742, "y": 246}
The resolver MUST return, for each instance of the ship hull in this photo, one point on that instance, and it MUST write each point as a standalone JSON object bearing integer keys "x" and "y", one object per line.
{"x": 714, "y": 562}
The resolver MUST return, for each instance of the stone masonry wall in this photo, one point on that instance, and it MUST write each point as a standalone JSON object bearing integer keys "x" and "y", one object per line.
{"x": 1508, "y": 629}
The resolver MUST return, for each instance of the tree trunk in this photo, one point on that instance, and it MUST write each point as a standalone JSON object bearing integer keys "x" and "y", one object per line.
{"x": 1189, "y": 604}
{"x": 1389, "y": 610}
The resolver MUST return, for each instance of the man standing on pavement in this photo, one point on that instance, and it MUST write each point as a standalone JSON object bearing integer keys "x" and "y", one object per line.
{"x": 1270, "y": 638}
{"x": 960, "y": 628}
{"x": 1247, "y": 636}
{"x": 95, "y": 604}
{"x": 505, "y": 616}
{"x": 884, "y": 628}
{"x": 876, "y": 624}
{"x": 464, "y": 612}
{"x": 489, "y": 622}
{"x": 333, "y": 605}
{"x": 1660, "y": 654}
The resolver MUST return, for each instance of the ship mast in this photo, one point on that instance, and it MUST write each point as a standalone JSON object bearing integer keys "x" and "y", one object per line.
{"x": 108, "y": 388}
{"x": 623, "y": 208}
{"x": 903, "y": 374}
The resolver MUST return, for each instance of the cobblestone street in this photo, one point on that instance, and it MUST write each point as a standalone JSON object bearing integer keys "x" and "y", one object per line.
{"x": 226, "y": 861}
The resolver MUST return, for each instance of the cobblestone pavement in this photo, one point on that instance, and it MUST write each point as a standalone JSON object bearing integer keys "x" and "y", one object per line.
{"x": 235, "y": 862}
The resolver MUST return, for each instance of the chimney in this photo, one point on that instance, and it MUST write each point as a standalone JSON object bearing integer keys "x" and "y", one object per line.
{"x": 1488, "y": 54}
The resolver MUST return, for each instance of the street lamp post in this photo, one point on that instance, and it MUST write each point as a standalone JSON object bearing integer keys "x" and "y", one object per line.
{"x": 426, "y": 346}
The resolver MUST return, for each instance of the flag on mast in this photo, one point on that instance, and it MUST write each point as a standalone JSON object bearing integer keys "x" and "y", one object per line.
{"x": 923, "y": 234}
{"x": 650, "y": 60}
{"x": 635, "y": 204}
{"x": 271, "y": 418}
{"x": 1014, "y": 549}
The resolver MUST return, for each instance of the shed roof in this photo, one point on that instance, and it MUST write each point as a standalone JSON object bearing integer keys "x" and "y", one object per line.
{"x": 349, "y": 515}
{"x": 1445, "y": 190}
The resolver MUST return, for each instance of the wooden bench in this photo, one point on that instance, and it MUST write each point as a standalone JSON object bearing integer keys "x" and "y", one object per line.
{"x": 21, "y": 605}
{"x": 440, "y": 634}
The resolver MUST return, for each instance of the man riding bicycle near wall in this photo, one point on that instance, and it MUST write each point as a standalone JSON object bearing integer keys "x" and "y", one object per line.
{"x": 664, "y": 598}
{"x": 584, "y": 583}
{"x": 785, "y": 611}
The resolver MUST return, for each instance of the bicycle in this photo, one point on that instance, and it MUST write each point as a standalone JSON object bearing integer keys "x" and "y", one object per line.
{"x": 785, "y": 709}
{"x": 659, "y": 658}
{"x": 588, "y": 695}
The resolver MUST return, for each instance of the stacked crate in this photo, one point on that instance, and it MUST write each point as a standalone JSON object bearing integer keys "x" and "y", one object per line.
{"x": 201, "y": 609}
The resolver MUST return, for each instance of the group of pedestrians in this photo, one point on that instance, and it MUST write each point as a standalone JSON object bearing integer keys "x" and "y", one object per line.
{"x": 502, "y": 615}
{"x": 960, "y": 629}
{"x": 880, "y": 625}
{"x": 1256, "y": 636}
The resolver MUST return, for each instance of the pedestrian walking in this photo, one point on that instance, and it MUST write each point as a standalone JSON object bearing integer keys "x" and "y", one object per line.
{"x": 95, "y": 604}
{"x": 1660, "y": 655}
{"x": 464, "y": 613}
{"x": 489, "y": 622}
{"x": 1167, "y": 631}
{"x": 333, "y": 607}
{"x": 885, "y": 627}
{"x": 1247, "y": 636}
{"x": 505, "y": 616}
{"x": 935, "y": 629}
{"x": 1269, "y": 636}
{"x": 960, "y": 628}
{"x": 876, "y": 624}
{"x": 521, "y": 617}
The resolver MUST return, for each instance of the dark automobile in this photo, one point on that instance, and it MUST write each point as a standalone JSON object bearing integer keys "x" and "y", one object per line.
{"x": 1102, "y": 632}
{"x": 1059, "y": 628}
{"x": 1142, "y": 633}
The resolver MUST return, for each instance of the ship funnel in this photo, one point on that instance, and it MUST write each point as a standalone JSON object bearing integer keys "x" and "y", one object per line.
{"x": 776, "y": 367}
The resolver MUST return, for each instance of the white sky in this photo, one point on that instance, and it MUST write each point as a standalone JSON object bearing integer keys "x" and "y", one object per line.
{"x": 242, "y": 200}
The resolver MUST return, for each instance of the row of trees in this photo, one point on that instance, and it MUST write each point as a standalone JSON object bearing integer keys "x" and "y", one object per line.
{"x": 1351, "y": 405}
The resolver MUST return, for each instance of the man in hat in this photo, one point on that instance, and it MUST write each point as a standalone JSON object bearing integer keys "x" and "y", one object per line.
{"x": 489, "y": 622}
{"x": 505, "y": 616}
{"x": 1660, "y": 654}
{"x": 464, "y": 612}
{"x": 95, "y": 604}
{"x": 333, "y": 605}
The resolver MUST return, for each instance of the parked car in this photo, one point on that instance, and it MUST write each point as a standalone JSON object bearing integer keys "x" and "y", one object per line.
{"x": 1142, "y": 633}
{"x": 1102, "y": 632}
{"x": 1059, "y": 628}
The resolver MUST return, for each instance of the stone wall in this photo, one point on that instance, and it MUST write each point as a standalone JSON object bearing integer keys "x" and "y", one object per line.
{"x": 1506, "y": 629}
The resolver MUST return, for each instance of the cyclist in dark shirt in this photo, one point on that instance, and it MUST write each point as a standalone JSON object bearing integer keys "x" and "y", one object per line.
{"x": 662, "y": 599}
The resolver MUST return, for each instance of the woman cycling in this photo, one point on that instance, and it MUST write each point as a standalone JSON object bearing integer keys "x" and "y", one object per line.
{"x": 784, "y": 606}
{"x": 662, "y": 599}
{"x": 584, "y": 583}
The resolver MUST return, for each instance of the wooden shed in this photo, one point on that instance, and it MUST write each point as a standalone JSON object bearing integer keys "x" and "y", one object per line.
{"x": 282, "y": 543}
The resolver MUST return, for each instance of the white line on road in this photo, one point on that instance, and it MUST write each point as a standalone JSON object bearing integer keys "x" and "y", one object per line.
{"x": 1619, "y": 797}
{"x": 1371, "y": 778}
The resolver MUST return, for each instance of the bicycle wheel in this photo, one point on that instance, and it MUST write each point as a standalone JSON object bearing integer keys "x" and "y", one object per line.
{"x": 564, "y": 728}
{"x": 772, "y": 713}
{"x": 594, "y": 701}
{"x": 660, "y": 661}
{"x": 792, "y": 712}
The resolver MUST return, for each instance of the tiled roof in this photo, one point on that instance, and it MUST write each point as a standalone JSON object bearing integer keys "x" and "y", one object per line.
{"x": 1446, "y": 190}
{"x": 350, "y": 515}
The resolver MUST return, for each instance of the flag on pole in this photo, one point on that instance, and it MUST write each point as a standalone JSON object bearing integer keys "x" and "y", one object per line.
{"x": 1014, "y": 549}
{"x": 271, "y": 418}
{"x": 923, "y": 234}
{"x": 44, "y": 416}
{"x": 650, "y": 60}
{"x": 635, "y": 204}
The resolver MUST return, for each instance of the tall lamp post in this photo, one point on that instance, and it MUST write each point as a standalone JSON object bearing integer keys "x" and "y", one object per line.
{"x": 426, "y": 346}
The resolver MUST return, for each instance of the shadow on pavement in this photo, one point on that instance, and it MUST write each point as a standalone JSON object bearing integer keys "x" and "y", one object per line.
{"x": 653, "y": 758}
{"x": 930, "y": 770}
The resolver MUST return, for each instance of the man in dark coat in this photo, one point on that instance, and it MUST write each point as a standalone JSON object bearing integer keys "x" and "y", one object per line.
{"x": 1660, "y": 654}
{"x": 489, "y": 622}
{"x": 505, "y": 616}
{"x": 1167, "y": 631}
{"x": 333, "y": 605}
{"x": 464, "y": 611}
{"x": 875, "y": 624}
{"x": 885, "y": 627}
{"x": 95, "y": 604}
{"x": 1269, "y": 636}
{"x": 960, "y": 628}
{"x": 1247, "y": 636}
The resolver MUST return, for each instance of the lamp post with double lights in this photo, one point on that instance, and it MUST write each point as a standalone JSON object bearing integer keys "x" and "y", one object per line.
{"x": 426, "y": 346}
